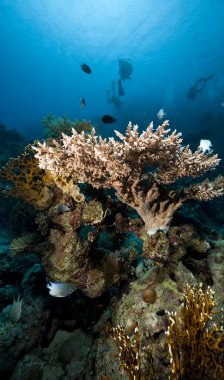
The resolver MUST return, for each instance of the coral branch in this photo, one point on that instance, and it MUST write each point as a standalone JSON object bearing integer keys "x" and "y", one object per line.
{"x": 205, "y": 190}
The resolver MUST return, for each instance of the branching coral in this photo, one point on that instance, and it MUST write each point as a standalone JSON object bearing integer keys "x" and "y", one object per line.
{"x": 129, "y": 355}
{"x": 195, "y": 343}
{"x": 122, "y": 164}
{"x": 196, "y": 350}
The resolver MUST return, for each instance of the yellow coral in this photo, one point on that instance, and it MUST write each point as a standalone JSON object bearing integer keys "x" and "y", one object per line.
{"x": 129, "y": 355}
{"x": 196, "y": 351}
{"x": 69, "y": 188}
{"x": 25, "y": 180}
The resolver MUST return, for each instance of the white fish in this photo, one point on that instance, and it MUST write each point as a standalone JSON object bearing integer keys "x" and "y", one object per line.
{"x": 60, "y": 289}
{"x": 222, "y": 104}
{"x": 16, "y": 309}
{"x": 161, "y": 113}
{"x": 205, "y": 146}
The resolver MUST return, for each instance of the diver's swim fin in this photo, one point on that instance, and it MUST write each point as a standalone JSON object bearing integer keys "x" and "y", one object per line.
{"x": 120, "y": 88}
{"x": 210, "y": 77}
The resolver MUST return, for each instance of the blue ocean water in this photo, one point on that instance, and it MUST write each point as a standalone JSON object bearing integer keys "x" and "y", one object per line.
{"x": 170, "y": 45}
{"x": 71, "y": 270}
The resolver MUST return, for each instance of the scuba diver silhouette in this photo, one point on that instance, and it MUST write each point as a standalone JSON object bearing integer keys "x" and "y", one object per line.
{"x": 198, "y": 87}
{"x": 112, "y": 98}
{"x": 125, "y": 71}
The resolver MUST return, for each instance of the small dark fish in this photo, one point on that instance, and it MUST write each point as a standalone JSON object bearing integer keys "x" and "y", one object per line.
{"x": 83, "y": 102}
{"x": 86, "y": 68}
{"x": 107, "y": 119}
{"x": 161, "y": 312}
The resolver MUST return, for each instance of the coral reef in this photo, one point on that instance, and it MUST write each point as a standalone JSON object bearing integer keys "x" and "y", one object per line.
{"x": 69, "y": 258}
{"x": 129, "y": 269}
{"x": 65, "y": 256}
{"x": 114, "y": 283}
{"x": 123, "y": 165}
{"x": 26, "y": 181}
{"x": 195, "y": 345}
{"x": 55, "y": 126}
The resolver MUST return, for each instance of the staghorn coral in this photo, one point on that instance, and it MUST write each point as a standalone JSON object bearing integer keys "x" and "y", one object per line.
{"x": 205, "y": 190}
{"x": 196, "y": 349}
{"x": 122, "y": 164}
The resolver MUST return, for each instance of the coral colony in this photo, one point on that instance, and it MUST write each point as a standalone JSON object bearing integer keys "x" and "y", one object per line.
{"x": 124, "y": 164}
{"x": 64, "y": 180}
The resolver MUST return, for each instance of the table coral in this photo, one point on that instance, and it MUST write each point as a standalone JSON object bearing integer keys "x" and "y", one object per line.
{"x": 124, "y": 163}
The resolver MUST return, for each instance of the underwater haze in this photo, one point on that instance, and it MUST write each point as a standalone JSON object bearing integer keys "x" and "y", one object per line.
{"x": 170, "y": 45}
